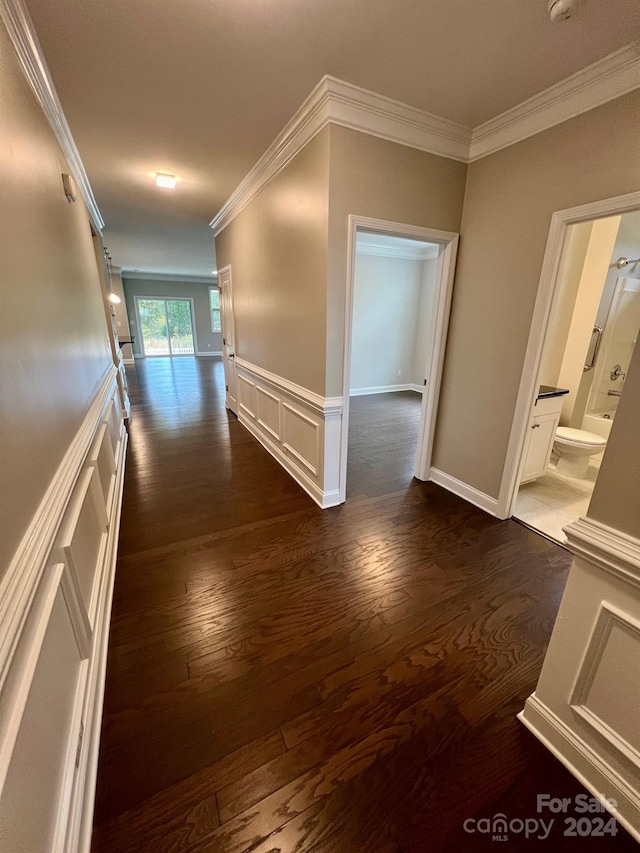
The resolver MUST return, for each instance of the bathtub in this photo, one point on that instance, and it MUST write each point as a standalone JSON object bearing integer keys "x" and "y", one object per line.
{"x": 598, "y": 423}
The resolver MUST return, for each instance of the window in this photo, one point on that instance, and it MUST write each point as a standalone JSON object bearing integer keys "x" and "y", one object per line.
{"x": 214, "y": 303}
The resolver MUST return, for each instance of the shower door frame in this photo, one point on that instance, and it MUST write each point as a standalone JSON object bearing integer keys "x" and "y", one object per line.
{"x": 546, "y": 300}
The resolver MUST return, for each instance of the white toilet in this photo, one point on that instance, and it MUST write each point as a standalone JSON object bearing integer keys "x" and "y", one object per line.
{"x": 574, "y": 448}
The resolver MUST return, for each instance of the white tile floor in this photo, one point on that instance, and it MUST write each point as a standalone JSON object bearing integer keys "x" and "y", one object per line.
{"x": 551, "y": 502}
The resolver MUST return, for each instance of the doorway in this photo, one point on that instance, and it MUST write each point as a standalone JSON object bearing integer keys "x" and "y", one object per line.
{"x": 166, "y": 326}
{"x": 395, "y": 334}
{"x": 228, "y": 338}
{"x": 591, "y": 285}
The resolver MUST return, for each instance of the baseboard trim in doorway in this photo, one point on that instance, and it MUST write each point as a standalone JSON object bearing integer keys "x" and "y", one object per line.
{"x": 385, "y": 389}
{"x": 464, "y": 490}
{"x": 216, "y": 352}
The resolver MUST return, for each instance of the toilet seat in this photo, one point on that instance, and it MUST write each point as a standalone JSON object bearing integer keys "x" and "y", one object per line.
{"x": 580, "y": 438}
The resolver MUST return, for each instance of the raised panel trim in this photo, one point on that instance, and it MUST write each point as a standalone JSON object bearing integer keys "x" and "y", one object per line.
{"x": 18, "y": 586}
{"x": 589, "y": 767}
{"x": 15, "y": 690}
{"x": 290, "y": 449}
{"x": 252, "y": 386}
{"x": 310, "y": 398}
{"x": 276, "y": 434}
{"x": 607, "y": 616}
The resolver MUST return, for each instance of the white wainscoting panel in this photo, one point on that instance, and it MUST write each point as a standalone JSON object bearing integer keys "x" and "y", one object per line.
{"x": 298, "y": 427}
{"x": 586, "y": 707}
{"x": 58, "y": 591}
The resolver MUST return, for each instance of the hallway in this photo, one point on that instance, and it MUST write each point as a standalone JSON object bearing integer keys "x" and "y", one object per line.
{"x": 282, "y": 678}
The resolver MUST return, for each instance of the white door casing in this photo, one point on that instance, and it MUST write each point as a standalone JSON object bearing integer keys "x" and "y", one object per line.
{"x": 228, "y": 337}
{"x": 448, "y": 241}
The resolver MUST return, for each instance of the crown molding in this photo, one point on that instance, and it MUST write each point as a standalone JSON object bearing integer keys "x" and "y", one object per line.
{"x": 334, "y": 101}
{"x": 419, "y": 253}
{"x": 337, "y": 102}
{"x": 164, "y": 276}
{"x": 25, "y": 41}
{"x": 609, "y": 78}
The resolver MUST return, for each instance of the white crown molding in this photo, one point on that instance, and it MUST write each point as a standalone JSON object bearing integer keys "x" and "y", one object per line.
{"x": 611, "y": 77}
{"x": 419, "y": 253}
{"x": 25, "y": 41}
{"x": 162, "y": 276}
{"x": 337, "y": 102}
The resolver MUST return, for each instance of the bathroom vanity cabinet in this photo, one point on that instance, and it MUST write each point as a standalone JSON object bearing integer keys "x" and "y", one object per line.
{"x": 545, "y": 417}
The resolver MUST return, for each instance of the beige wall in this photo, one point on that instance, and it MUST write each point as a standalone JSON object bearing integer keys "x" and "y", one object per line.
{"x": 510, "y": 197}
{"x": 206, "y": 340}
{"x": 53, "y": 347}
{"x": 382, "y": 180}
{"x": 277, "y": 248}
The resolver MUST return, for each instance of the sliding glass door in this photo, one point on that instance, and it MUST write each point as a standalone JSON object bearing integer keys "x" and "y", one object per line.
{"x": 166, "y": 326}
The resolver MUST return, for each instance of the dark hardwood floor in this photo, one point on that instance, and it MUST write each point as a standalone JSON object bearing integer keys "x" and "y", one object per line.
{"x": 286, "y": 679}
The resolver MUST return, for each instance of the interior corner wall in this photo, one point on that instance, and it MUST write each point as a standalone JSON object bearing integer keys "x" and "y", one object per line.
{"x": 509, "y": 200}
{"x": 54, "y": 344}
{"x": 382, "y": 180}
{"x": 208, "y": 342}
{"x": 277, "y": 249}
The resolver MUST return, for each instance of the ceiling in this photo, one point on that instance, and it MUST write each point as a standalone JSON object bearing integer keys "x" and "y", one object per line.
{"x": 200, "y": 88}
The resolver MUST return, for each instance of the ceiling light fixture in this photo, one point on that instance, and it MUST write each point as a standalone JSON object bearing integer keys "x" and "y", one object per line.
{"x": 165, "y": 180}
{"x": 560, "y": 10}
{"x": 113, "y": 297}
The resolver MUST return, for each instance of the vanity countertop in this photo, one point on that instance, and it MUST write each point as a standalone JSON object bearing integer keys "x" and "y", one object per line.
{"x": 551, "y": 391}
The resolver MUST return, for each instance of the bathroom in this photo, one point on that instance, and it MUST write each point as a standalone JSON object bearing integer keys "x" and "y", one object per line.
{"x": 592, "y": 332}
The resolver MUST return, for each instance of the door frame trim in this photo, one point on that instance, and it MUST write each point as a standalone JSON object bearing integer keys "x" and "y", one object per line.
{"x": 221, "y": 271}
{"x": 439, "y": 324}
{"x": 190, "y": 299}
{"x": 546, "y": 300}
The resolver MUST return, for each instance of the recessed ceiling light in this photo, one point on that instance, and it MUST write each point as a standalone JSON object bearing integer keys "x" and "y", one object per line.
{"x": 165, "y": 180}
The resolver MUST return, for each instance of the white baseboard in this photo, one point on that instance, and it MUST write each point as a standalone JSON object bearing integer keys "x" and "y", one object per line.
{"x": 583, "y": 762}
{"x": 323, "y": 499}
{"x": 128, "y": 361}
{"x": 463, "y": 490}
{"x": 385, "y": 389}
{"x": 209, "y": 352}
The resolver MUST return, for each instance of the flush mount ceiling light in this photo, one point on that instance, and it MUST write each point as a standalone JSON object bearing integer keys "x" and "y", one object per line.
{"x": 560, "y": 10}
{"x": 165, "y": 180}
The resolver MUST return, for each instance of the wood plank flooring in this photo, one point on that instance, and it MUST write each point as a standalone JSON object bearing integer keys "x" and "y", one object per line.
{"x": 286, "y": 679}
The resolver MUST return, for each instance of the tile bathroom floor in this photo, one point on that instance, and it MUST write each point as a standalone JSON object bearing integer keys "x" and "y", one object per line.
{"x": 549, "y": 503}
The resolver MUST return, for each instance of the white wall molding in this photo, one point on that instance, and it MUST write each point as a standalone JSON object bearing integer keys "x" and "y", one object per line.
{"x": 299, "y": 428}
{"x": 21, "y": 580}
{"x": 337, "y": 102}
{"x": 611, "y": 77}
{"x": 141, "y": 275}
{"x": 25, "y": 41}
{"x": 464, "y": 490}
{"x": 385, "y": 389}
{"x": 63, "y": 570}
{"x": 310, "y": 398}
{"x": 208, "y": 353}
{"x": 607, "y": 548}
{"x": 583, "y": 761}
